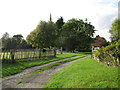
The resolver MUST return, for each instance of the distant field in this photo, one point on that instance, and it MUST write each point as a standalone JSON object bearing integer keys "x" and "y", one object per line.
{"x": 85, "y": 73}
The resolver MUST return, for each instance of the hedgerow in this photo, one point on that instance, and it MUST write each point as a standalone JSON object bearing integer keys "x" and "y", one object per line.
{"x": 109, "y": 55}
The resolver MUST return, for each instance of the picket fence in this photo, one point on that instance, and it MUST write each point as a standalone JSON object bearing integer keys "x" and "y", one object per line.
{"x": 14, "y": 55}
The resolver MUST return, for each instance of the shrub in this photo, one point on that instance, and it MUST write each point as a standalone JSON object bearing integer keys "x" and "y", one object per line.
{"x": 110, "y": 54}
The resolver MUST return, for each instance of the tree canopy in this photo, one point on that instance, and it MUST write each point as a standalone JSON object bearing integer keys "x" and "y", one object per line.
{"x": 44, "y": 35}
{"x": 74, "y": 34}
{"x": 115, "y": 30}
{"x": 15, "y": 42}
{"x": 77, "y": 34}
{"x": 60, "y": 23}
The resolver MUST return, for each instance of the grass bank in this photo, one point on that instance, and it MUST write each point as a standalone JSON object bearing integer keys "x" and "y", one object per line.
{"x": 85, "y": 73}
{"x": 13, "y": 68}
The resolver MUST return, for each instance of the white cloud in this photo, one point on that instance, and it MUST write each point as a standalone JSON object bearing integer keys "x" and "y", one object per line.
{"x": 106, "y": 15}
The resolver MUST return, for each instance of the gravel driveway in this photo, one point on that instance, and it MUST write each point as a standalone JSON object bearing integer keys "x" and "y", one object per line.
{"x": 26, "y": 80}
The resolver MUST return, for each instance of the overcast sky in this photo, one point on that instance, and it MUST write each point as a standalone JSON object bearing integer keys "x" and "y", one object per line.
{"x": 22, "y": 16}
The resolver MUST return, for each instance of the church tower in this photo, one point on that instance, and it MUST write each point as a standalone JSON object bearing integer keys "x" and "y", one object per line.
{"x": 50, "y": 17}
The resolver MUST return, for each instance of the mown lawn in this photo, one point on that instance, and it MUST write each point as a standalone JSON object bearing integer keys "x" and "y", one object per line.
{"x": 13, "y": 68}
{"x": 85, "y": 73}
{"x": 55, "y": 64}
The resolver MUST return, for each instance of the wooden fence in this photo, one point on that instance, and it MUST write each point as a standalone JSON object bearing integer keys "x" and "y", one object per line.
{"x": 24, "y": 54}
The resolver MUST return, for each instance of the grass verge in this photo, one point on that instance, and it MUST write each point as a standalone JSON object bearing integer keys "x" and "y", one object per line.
{"x": 52, "y": 65}
{"x": 85, "y": 73}
{"x": 60, "y": 62}
{"x": 13, "y": 68}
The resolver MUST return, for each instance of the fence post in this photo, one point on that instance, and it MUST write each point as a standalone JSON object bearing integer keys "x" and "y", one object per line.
{"x": 39, "y": 53}
{"x": 54, "y": 52}
{"x": 92, "y": 56}
{"x": 3, "y": 58}
{"x": 61, "y": 50}
{"x": 12, "y": 56}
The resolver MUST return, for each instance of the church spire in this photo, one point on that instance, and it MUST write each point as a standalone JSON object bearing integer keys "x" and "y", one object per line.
{"x": 50, "y": 17}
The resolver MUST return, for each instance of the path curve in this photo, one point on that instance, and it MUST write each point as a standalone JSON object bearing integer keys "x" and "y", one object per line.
{"x": 34, "y": 81}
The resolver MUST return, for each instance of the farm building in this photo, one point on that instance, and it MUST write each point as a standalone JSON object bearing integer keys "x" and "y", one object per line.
{"x": 98, "y": 42}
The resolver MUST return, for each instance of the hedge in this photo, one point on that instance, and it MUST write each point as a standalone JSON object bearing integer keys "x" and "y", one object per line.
{"x": 109, "y": 55}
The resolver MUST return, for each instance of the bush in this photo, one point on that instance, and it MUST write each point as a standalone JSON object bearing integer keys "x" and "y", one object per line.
{"x": 109, "y": 55}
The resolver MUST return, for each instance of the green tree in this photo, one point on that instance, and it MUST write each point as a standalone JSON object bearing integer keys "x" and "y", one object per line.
{"x": 23, "y": 45}
{"x": 8, "y": 42}
{"x": 5, "y": 40}
{"x": 17, "y": 38}
{"x": 115, "y": 36}
{"x": 60, "y": 23}
{"x": 77, "y": 34}
{"x": 44, "y": 35}
{"x": 11, "y": 43}
{"x": 15, "y": 42}
{"x": 115, "y": 30}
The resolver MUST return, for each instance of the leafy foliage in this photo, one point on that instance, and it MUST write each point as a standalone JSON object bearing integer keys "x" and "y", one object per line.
{"x": 44, "y": 35}
{"x": 60, "y": 23}
{"x": 4, "y": 40}
{"x": 109, "y": 55}
{"x": 115, "y": 30}
{"x": 76, "y": 34}
{"x": 15, "y": 42}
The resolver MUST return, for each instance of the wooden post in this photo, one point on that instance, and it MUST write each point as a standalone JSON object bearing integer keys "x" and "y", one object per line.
{"x": 49, "y": 51}
{"x": 7, "y": 56}
{"x": 92, "y": 52}
{"x": 54, "y": 52}
{"x": 61, "y": 50}
{"x": 12, "y": 56}
{"x": 3, "y": 56}
{"x": 39, "y": 53}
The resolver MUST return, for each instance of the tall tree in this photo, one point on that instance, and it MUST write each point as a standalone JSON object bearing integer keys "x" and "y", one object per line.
{"x": 23, "y": 45}
{"x": 115, "y": 30}
{"x": 44, "y": 35}
{"x": 115, "y": 35}
{"x": 60, "y": 23}
{"x": 77, "y": 34}
{"x": 8, "y": 42}
{"x": 15, "y": 42}
{"x": 5, "y": 39}
{"x": 5, "y": 36}
{"x": 18, "y": 38}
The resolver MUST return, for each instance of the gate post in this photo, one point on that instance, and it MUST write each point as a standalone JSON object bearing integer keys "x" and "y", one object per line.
{"x": 54, "y": 52}
{"x": 39, "y": 53}
{"x": 12, "y": 52}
